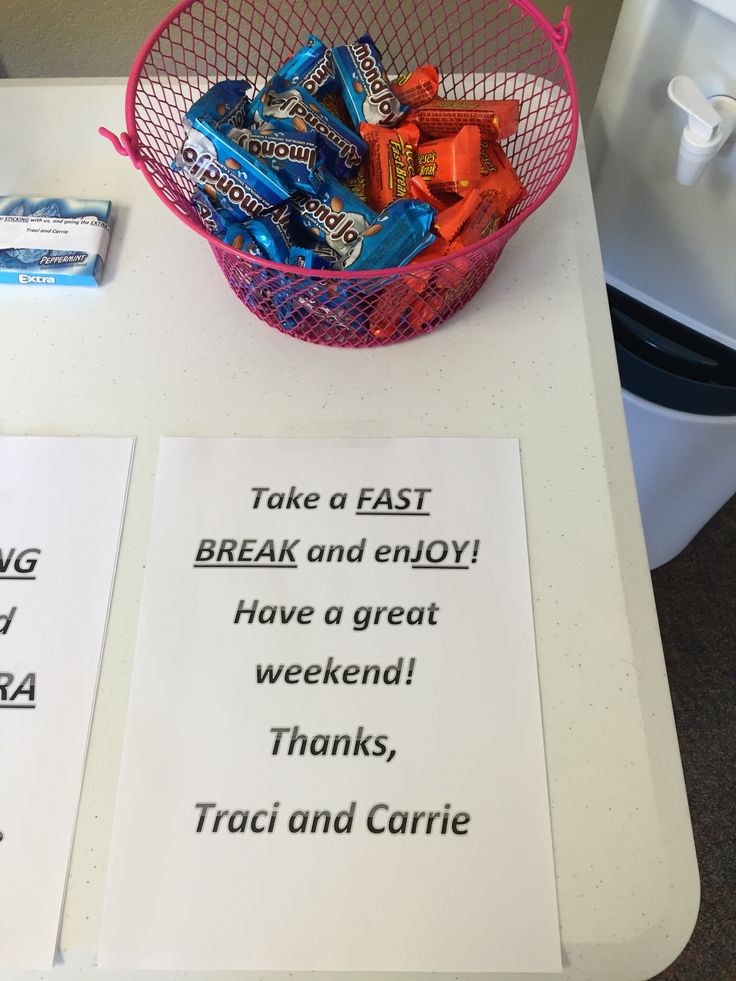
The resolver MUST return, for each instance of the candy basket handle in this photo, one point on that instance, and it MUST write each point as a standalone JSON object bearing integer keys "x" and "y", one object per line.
{"x": 123, "y": 145}
{"x": 563, "y": 30}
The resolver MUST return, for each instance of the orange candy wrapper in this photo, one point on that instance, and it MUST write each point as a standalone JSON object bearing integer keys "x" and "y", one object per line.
{"x": 419, "y": 190}
{"x": 484, "y": 220}
{"x": 451, "y": 164}
{"x": 359, "y": 184}
{"x": 417, "y": 87}
{"x": 449, "y": 222}
{"x": 499, "y": 177}
{"x": 334, "y": 103}
{"x": 496, "y": 120}
{"x": 390, "y": 163}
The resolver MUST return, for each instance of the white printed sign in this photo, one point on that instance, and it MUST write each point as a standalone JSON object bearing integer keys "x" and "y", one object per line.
{"x": 334, "y": 758}
{"x": 61, "y": 510}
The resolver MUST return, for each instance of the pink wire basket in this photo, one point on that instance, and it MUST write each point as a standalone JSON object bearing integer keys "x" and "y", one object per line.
{"x": 500, "y": 49}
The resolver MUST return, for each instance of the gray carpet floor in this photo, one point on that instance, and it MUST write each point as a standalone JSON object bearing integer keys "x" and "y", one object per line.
{"x": 696, "y": 604}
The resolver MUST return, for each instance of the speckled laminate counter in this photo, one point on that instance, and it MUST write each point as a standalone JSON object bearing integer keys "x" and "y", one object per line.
{"x": 163, "y": 348}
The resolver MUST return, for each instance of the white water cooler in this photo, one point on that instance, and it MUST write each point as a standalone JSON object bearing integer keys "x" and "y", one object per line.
{"x": 663, "y": 162}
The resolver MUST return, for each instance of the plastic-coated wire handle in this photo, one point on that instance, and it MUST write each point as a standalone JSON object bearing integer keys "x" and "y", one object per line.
{"x": 123, "y": 145}
{"x": 563, "y": 30}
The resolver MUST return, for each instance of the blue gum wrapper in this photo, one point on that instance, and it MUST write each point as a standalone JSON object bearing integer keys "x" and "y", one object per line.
{"x": 293, "y": 109}
{"x": 364, "y": 84}
{"x": 243, "y": 186}
{"x": 399, "y": 233}
{"x": 226, "y": 103}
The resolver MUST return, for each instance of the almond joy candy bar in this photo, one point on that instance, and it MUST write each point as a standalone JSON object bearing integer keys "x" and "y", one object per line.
{"x": 233, "y": 179}
{"x": 296, "y": 110}
{"x": 335, "y": 215}
{"x": 365, "y": 87}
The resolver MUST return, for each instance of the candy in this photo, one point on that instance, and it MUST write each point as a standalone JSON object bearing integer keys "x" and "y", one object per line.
{"x": 238, "y": 236}
{"x": 293, "y": 156}
{"x": 296, "y": 110}
{"x": 225, "y": 103}
{"x": 335, "y": 104}
{"x": 273, "y": 232}
{"x": 359, "y": 184}
{"x": 418, "y": 87}
{"x": 419, "y": 189}
{"x": 214, "y": 221}
{"x": 230, "y": 176}
{"x": 398, "y": 234}
{"x": 320, "y": 257}
{"x": 451, "y": 164}
{"x": 496, "y": 120}
{"x": 364, "y": 84}
{"x": 498, "y": 177}
{"x": 484, "y": 220}
{"x": 449, "y": 222}
{"x": 435, "y": 250}
{"x": 311, "y": 68}
{"x": 335, "y": 215}
{"x": 390, "y": 162}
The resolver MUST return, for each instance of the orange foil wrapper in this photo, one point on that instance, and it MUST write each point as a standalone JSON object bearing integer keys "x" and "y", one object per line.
{"x": 334, "y": 103}
{"x": 359, "y": 184}
{"x": 417, "y": 87}
{"x": 451, "y": 164}
{"x": 485, "y": 220}
{"x": 449, "y": 222}
{"x": 496, "y": 120}
{"x": 394, "y": 304}
{"x": 419, "y": 190}
{"x": 390, "y": 162}
{"x": 498, "y": 177}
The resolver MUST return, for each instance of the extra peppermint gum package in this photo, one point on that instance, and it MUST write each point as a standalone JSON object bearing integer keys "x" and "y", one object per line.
{"x": 53, "y": 241}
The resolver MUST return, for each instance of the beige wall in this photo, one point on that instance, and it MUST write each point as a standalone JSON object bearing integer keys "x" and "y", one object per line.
{"x": 100, "y": 37}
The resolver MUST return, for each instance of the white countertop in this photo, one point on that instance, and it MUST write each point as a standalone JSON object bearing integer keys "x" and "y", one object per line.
{"x": 164, "y": 348}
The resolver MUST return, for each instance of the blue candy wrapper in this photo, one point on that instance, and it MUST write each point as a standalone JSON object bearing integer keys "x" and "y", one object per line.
{"x": 214, "y": 221}
{"x": 311, "y": 69}
{"x": 335, "y": 215}
{"x": 269, "y": 236}
{"x": 364, "y": 84}
{"x": 320, "y": 257}
{"x": 241, "y": 184}
{"x": 273, "y": 232}
{"x": 294, "y": 156}
{"x": 399, "y": 233}
{"x": 294, "y": 110}
{"x": 226, "y": 104}
{"x": 238, "y": 235}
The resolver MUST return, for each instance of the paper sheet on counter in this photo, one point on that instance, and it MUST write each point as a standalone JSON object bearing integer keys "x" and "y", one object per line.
{"x": 255, "y": 704}
{"x": 61, "y": 509}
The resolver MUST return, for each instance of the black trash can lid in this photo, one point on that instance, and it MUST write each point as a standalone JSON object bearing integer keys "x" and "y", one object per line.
{"x": 667, "y": 363}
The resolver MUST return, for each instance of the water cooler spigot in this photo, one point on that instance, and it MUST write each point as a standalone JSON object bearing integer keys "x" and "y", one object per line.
{"x": 710, "y": 124}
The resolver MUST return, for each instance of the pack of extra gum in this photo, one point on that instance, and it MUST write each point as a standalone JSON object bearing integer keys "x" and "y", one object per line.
{"x": 53, "y": 241}
{"x": 334, "y": 165}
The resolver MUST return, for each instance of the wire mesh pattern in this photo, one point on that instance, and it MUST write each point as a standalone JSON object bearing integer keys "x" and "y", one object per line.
{"x": 497, "y": 49}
